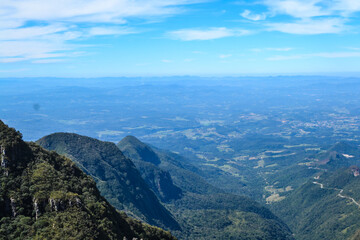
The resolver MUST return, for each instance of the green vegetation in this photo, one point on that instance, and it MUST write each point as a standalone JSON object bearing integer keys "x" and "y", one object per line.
{"x": 315, "y": 212}
{"x": 203, "y": 211}
{"x": 115, "y": 175}
{"x": 45, "y": 196}
{"x": 147, "y": 161}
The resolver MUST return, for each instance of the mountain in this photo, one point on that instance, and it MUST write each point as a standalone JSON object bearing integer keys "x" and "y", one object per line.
{"x": 204, "y": 211}
{"x": 341, "y": 154}
{"x": 147, "y": 161}
{"x": 325, "y": 207}
{"x": 184, "y": 176}
{"x": 115, "y": 175}
{"x": 46, "y": 196}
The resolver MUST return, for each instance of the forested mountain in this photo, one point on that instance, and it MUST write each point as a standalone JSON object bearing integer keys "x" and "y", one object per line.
{"x": 147, "y": 161}
{"x": 203, "y": 211}
{"x": 115, "y": 175}
{"x": 326, "y": 207}
{"x": 46, "y": 196}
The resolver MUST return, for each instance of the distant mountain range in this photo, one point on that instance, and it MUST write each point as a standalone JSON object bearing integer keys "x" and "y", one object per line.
{"x": 46, "y": 196}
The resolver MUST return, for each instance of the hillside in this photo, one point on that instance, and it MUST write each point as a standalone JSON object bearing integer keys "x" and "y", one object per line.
{"x": 184, "y": 175}
{"x": 204, "y": 211}
{"x": 115, "y": 175}
{"x": 46, "y": 196}
{"x": 326, "y": 207}
{"x": 341, "y": 154}
{"x": 147, "y": 161}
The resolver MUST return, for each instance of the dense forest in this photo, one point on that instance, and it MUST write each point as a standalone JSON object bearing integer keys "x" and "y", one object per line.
{"x": 46, "y": 196}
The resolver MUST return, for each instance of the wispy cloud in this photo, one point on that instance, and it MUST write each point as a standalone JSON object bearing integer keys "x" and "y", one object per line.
{"x": 99, "y": 11}
{"x": 311, "y": 55}
{"x": 297, "y": 8}
{"x": 252, "y": 16}
{"x": 311, "y": 16}
{"x": 37, "y": 29}
{"x": 206, "y": 34}
{"x": 97, "y": 31}
{"x": 54, "y": 60}
{"x": 310, "y": 26}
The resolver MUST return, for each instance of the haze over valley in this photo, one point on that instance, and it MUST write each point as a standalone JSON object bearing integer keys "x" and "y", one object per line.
{"x": 180, "y": 119}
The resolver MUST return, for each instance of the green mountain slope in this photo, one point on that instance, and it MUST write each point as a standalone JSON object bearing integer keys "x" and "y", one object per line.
{"x": 204, "y": 211}
{"x": 337, "y": 156}
{"x": 45, "y": 196}
{"x": 342, "y": 154}
{"x": 147, "y": 161}
{"x": 115, "y": 175}
{"x": 326, "y": 207}
{"x": 184, "y": 175}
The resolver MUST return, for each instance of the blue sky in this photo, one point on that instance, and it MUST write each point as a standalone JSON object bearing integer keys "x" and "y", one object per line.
{"x": 100, "y": 38}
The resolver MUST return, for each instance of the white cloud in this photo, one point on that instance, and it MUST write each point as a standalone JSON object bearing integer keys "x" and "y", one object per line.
{"x": 48, "y": 60}
{"x": 166, "y": 61}
{"x": 312, "y": 8}
{"x": 55, "y": 22}
{"x": 15, "y": 51}
{"x": 103, "y": 11}
{"x": 251, "y": 16}
{"x": 30, "y": 32}
{"x": 297, "y": 8}
{"x": 346, "y": 7}
{"x": 206, "y": 34}
{"x": 311, "y": 55}
{"x": 312, "y": 16}
{"x": 96, "y": 31}
{"x": 310, "y": 26}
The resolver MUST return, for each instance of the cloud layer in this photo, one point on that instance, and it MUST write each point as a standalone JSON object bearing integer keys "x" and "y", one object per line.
{"x": 38, "y": 29}
{"x": 206, "y": 34}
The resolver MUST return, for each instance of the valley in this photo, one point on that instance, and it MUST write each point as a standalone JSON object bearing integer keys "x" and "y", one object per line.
{"x": 213, "y": 140}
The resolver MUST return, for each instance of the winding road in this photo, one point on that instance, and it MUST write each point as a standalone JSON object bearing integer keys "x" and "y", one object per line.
{"x": 339, "y": 194}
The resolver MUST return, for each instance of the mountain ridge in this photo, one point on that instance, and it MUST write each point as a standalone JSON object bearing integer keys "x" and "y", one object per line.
{"x": 116, "y": 176}
{"x": 46, "y": 196}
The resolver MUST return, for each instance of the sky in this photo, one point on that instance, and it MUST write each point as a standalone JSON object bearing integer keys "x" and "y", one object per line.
{"x": 113, "y": 38}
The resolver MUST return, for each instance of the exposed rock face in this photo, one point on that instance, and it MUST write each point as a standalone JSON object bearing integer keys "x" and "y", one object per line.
{"x": 36, "y": 208}
{"x": 3, "y": 153}
{"x": 61, "y": 204}
{"x": 13, "y": 207}
{"x": 355, "y": 171}
{"x": 3, "y": 160}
